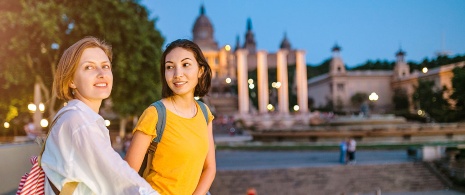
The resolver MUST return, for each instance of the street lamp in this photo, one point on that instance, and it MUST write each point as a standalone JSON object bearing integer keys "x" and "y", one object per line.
{"x": 424, "y": 70}
{"x": 270, "y": 107}
{"x": 31, "y": 107}
{"x": 6, "y": 125}
{"x": 37, "y": 111}
{"x": 41, "y": 107}
{"x": 373, "y": 96}
{"x": 296, "y": 108}
{"x": 44, "y": 123}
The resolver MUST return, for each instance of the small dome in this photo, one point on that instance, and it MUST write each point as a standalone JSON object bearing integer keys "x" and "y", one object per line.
{"x": 400, "y": 53}
{"x": 336, "y": 48}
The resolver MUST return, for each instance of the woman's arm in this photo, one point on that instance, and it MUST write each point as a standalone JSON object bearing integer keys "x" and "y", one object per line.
{"x": 209, "y": 167}
{"x": 99, "y": 167}
{"x": 139, "y": 144}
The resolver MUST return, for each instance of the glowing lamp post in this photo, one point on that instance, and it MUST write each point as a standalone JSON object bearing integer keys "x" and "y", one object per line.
{"x": 373, "y": 98}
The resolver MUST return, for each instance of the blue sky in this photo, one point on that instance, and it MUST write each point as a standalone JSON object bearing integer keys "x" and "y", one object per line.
{"x": 365, "y": 29}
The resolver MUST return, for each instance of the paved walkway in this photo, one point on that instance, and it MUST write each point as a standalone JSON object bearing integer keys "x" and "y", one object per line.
{"x": 249, "y": 160}
{"x": 231, "y": 160}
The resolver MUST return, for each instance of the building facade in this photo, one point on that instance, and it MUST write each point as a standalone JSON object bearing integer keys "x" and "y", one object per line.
{"x": 337, "y": 87}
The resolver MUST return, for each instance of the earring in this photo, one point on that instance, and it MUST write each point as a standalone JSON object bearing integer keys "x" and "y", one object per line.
{"x": 72, "y": 91}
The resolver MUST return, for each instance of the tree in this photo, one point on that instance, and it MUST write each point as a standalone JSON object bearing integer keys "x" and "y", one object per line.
{"x": 432, "y": 101}
{"x": 400, "y": 99}
{"x": 458, "y": 93}
{"x": 35, "y": 34}
{"x": 358, "y": 98}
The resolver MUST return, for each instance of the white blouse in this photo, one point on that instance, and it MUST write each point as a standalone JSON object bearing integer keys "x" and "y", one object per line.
{"x": 79, "y": 149}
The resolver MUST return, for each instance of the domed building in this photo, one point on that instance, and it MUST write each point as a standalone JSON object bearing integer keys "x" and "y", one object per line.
{"x": 229, "y": 64}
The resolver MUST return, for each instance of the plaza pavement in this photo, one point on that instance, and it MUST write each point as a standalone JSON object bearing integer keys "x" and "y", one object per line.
{"x": 236, "y": 167}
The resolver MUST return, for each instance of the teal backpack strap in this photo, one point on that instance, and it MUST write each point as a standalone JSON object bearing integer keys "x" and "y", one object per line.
{"x": 161, "y": 120}
{"x": 161, "y": 110}
{"x": 204, "y": 110}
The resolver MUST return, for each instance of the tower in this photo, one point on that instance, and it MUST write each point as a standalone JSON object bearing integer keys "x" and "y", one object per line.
{"x": 203, "y": 32}
{"x": 336, "y": 66}
{"x": 285, "y": 44}
{"x": 401, "y": 69}
{"x": 249, "y": 43}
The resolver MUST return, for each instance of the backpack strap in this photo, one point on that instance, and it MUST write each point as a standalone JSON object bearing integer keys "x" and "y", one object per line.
{"x": 160, "y": 128}
{"x": 204, "y": 110}
{"x": 161, "y": 109}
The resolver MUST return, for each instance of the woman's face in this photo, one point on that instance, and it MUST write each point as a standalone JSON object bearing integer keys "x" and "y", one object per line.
{"x": 182, "y": 71}
{"x": 93, "y": 79}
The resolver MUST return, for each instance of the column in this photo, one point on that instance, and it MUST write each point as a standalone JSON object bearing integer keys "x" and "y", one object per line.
{"x": 262, "y": 83}
{"x": 283, "y": 91}
{"x": 301, "y": 81}
{"x": 242, "y": 85}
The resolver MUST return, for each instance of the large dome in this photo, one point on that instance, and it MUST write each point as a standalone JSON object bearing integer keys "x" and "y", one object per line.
{"x": 203, "y": 32}
{"x": 202, "y": 22}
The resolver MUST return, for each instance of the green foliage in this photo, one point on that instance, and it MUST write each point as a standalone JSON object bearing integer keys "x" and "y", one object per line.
{"x": 358, "y": 98}
{"x": 400, "y": 99}
{"x": 323, "y": 68}
{"x": 434, "y": 63}
{"x": 29, "y": 28}
{"x": 377, "y": 65}
{"x": 432, "y": 102}
{"x": 458, "y": 93}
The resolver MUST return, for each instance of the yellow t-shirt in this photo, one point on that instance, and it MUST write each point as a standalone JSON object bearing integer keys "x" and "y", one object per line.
{"x": 181, "y": 153}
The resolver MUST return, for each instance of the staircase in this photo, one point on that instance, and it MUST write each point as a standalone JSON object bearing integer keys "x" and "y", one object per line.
{"x": 222, "y": 104}
{"x": 334, "y": 180}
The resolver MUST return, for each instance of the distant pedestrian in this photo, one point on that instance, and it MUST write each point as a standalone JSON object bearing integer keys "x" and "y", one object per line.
{"x": 343, "y": 151}
{"x": 351, "y": 147}
{"x": 30, "y": 130}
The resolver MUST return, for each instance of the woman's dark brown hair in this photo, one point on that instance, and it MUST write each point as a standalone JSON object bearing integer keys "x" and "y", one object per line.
{"x": 203, "y": 86}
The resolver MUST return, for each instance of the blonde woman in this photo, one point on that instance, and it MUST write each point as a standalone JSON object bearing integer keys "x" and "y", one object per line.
{"x": 78, "y": 148}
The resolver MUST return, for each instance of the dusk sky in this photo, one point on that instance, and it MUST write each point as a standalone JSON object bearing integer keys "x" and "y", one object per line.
{"x": 364, "y": 29}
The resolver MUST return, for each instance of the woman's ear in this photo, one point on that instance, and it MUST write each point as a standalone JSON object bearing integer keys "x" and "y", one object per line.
{"x": 72, "y": 85}
{"x": 201, "y": 70}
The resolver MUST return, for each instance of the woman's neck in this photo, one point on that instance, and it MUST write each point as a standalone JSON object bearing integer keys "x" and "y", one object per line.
{"x": 94, "y": 105}
{"x": 185, "y": 107}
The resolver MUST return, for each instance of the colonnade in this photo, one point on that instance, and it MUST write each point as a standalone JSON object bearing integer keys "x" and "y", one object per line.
{"x": 262, "y": 82}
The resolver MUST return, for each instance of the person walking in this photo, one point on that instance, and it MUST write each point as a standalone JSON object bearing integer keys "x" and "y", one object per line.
{"x": 78, "y": 148}
{"x": 351, "y": 147}
{"x": 343, "y": 152}
{"x": 184, "y": 160}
